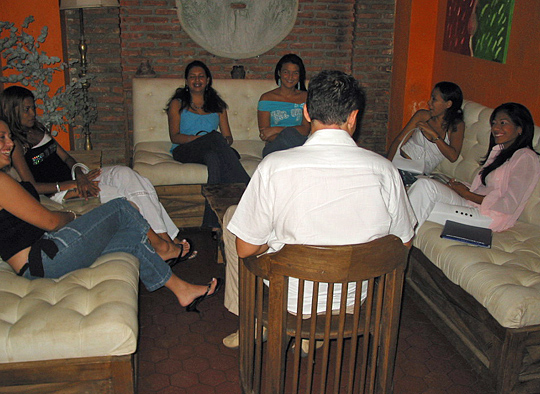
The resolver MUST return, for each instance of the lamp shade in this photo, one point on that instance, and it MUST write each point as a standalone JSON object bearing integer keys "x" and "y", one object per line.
{"x": 71, "y": 4}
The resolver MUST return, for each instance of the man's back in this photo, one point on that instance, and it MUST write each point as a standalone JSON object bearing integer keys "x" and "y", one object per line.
{"x": 327, "y": 192}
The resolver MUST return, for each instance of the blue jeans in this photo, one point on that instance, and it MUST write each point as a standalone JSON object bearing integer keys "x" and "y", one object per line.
{"x": 288, "y": 138}
{"x": 112, "y": 227}
{"x": 223, "y": 165}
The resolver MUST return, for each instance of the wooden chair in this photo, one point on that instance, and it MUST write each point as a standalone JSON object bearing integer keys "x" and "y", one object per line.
{"x": 369, "y": 363}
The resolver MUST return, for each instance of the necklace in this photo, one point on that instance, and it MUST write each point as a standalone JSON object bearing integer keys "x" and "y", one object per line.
{"x": 197, "y": 107}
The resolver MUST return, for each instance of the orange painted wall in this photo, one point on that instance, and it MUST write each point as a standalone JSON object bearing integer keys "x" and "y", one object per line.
{"x": 414, "y": 50}
{"x": 493, "y": 83}
{"x": 416, "y": 70}
{"x": 46, "y": 13}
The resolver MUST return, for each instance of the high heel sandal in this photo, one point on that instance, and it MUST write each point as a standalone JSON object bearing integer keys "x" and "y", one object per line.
{"x": 195, "y": 303}
{"x": 189, "y": 255}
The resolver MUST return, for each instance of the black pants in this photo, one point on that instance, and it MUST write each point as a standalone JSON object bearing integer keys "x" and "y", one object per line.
{"x": 222, "y": 161}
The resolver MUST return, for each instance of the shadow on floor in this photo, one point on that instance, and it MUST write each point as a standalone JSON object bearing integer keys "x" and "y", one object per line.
{"x": 181, "y": 352}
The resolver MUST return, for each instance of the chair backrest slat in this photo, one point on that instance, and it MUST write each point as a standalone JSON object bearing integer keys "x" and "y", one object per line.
{"x": 376, "y": 269}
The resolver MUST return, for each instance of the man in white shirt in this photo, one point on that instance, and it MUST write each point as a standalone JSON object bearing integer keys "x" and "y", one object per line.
{"x": 326, "y": 192}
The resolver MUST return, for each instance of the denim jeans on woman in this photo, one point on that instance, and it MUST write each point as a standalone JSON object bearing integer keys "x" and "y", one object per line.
{"x": 223, "y": 165}
{"x": 112, "y": 227}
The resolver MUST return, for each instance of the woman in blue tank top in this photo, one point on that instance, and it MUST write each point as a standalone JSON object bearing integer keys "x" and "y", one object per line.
{"x": 195, "y": 112}
{"x": 282, "y": 124}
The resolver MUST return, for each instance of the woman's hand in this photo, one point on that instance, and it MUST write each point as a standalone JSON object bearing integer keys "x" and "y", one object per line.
{"x": 427, "y": 131}
{"x": 266, "y": 133}
{"x": 465, "y": 192}
{"x": 458, "y": 187}
{"x": 86, "y": 184}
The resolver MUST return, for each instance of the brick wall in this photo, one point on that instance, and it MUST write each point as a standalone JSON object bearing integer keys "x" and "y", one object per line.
{"x": 350, "y": 35}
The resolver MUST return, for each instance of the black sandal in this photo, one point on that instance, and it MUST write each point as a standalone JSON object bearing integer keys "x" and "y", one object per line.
{"x": 189, "y": 255}
{"x": 195, "y": 303}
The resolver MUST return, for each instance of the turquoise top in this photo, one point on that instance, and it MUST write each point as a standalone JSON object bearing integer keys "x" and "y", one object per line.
{"x": 282, "y": 113}
{"x": 191, "y": 123}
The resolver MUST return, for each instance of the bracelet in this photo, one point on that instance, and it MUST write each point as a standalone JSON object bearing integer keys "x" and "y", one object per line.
{"x": 436, "y": 139}
{"x": 58, "y": 188}
{"x": 72, "y": 212}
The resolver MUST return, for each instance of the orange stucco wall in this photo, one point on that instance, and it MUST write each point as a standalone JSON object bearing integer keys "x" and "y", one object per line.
{"x": 421, "y": 62}
{"x": 414, "y": 51}
{"x": 46, "y": 13}
{"x": 493, "y": 83}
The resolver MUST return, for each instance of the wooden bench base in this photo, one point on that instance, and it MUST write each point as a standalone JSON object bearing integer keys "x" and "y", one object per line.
{"x": 510, "y": 357}
{"x": 183, "y": 203}
{"x": 110, "y": 374}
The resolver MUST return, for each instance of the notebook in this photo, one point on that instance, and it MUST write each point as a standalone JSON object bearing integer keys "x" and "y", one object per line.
{"x": 473, "y": 235}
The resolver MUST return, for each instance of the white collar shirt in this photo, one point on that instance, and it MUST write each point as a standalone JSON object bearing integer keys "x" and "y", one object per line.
{"x": 328, "y": 191}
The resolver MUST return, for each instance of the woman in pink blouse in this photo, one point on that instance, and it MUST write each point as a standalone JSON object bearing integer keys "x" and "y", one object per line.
{"x": 500, "y": 190}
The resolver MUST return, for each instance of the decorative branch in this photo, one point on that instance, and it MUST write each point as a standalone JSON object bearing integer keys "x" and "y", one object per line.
{"x": 33, "y": 67}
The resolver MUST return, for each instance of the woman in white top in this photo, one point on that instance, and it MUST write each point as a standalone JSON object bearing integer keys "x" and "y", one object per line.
{"x": 433, "y": 134}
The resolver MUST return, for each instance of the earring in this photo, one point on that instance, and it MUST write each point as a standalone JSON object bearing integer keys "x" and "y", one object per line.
{"x": 298, "y": 86}
{"x": 279, "y": 82}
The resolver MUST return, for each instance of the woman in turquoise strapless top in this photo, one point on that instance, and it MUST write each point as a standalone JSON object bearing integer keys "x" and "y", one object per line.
{"x": 195, "y": 112}
{"x": 282, "y": 124}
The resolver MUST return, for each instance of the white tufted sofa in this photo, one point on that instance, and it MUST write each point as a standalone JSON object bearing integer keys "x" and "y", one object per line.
{"x": 486, "y": 300}
{"x": 151, "y": 143}
{"x": 77, "y": 332}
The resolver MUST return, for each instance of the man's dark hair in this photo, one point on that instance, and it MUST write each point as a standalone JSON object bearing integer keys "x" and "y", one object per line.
{"x": 332, "y": 96}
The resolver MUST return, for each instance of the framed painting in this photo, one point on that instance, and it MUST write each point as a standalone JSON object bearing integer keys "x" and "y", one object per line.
{"x": 479, "y": 28}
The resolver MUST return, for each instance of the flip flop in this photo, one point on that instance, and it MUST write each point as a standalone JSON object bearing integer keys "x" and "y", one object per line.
{"x": 195, "y": 303}
{"x": 189, "y": 255}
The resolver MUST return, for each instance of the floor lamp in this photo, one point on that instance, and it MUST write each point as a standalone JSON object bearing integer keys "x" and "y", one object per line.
{"x": 83, "y": 48}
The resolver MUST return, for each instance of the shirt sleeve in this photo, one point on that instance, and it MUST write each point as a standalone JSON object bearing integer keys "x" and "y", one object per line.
{"x": 252, "y": 220}
{"x": 399, "y": 208}
{"x": 512, "y": 189}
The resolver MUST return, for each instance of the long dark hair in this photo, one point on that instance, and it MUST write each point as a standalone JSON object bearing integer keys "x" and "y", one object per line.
{"x": 212, "y": 101}
{"x": 294, "y": 59}
{"x": 521, "y": 117}
{"x": 11, "y": 104}
{"x": 453, "y": 115}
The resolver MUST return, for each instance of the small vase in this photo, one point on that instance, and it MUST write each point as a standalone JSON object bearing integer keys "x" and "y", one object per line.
{"x": 238, "y": 72}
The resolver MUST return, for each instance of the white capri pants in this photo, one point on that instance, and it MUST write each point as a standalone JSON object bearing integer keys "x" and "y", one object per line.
{"x": 122, "y": 181}
{"x": 431, "y": 200}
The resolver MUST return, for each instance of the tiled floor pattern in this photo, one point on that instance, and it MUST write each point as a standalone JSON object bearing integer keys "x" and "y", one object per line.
{"x": 181, "y": 352}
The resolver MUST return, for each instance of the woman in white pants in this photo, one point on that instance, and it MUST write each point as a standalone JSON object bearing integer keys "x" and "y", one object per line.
{"x": 39, "y": 159}
{"x": 500, "y": 190}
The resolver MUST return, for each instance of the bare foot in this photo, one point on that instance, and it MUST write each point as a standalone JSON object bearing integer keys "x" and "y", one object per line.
{"x": 186, "y": 292}
{"x": 187, "y": 248}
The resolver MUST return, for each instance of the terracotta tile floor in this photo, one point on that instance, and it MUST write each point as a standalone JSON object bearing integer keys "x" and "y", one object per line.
{"x": 182, "y": 352}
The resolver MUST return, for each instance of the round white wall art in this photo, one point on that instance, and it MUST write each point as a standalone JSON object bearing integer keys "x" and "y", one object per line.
{"x": 237, "y": 29}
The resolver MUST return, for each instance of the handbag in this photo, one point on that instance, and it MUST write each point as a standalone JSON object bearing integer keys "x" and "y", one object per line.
{"x": 409, "y": 165}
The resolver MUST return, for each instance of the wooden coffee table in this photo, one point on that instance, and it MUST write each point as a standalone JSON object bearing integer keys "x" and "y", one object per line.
{"x": 220, "y": 197}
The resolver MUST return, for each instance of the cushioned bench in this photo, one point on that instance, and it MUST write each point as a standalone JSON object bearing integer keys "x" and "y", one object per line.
{"x": 179, "y": 184}
{"x": 486, "y": 300}
{"x": 77, "y": 333}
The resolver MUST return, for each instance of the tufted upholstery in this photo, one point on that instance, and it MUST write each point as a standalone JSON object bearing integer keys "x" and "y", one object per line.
{"x": 506, "y": 278}
{"x": 151, "y": 157}
{"x": 90, "y": 312}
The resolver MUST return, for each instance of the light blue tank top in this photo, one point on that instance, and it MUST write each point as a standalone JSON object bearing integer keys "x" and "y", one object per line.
{"x": 282, "y": 114}
{"x": 191, "y": 123}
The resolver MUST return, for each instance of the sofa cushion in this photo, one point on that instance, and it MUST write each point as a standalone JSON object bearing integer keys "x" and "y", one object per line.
{"x": 504, "y": 279}
{"x": 154, "y": 161}
{"x": 87, "y": 313}
{"x": 151, "y": 95}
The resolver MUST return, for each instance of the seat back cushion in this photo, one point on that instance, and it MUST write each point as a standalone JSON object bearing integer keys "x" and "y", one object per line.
{"x": 151, "y": 95}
